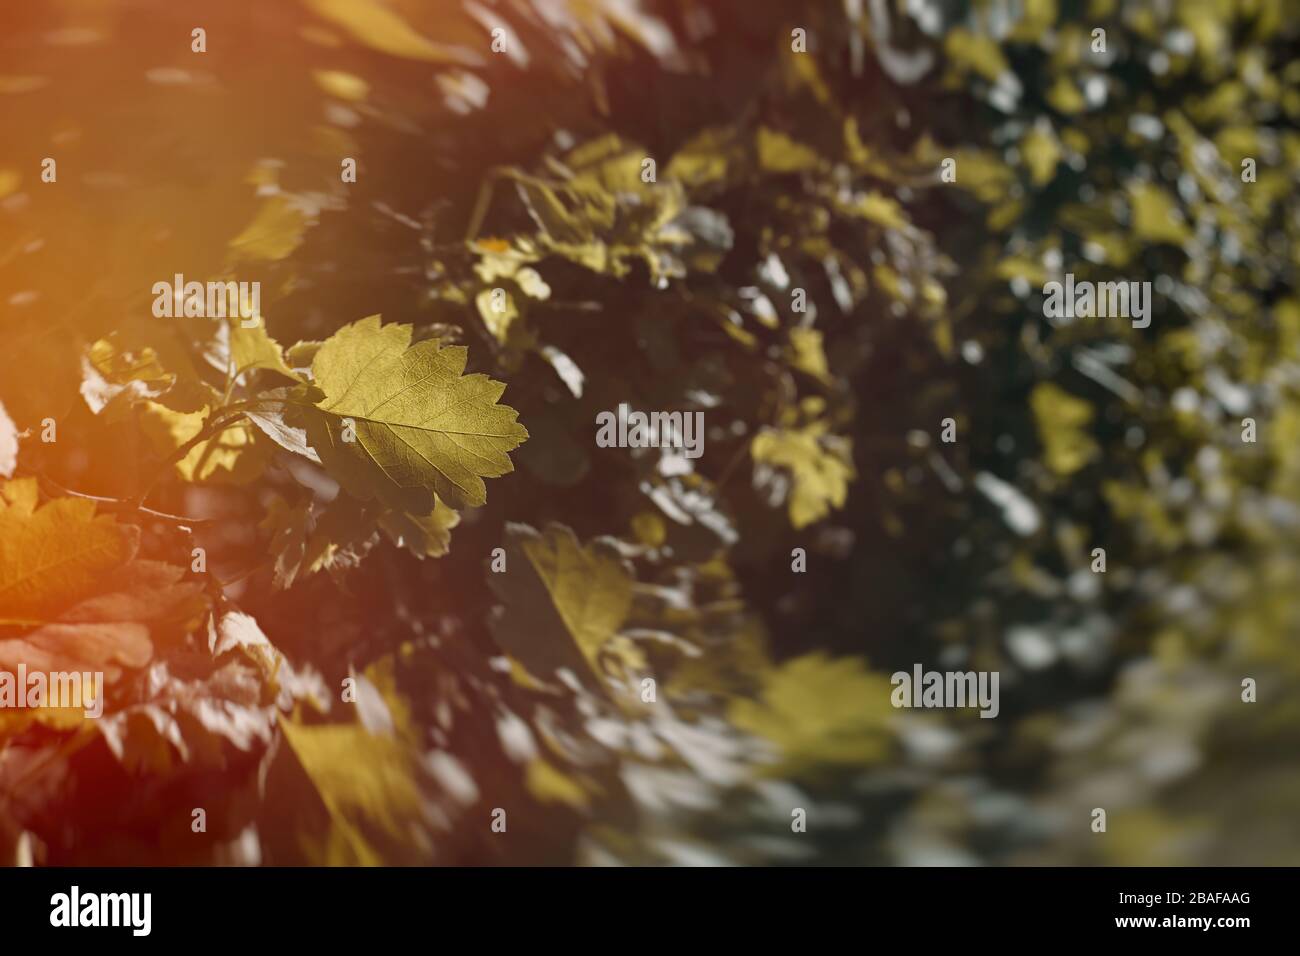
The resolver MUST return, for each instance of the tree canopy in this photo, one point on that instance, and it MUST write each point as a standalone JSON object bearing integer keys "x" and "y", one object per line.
{"x": 364, "y": 588}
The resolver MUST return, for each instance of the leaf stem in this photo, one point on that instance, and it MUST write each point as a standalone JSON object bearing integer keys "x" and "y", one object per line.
{"x": 217, "y": 422}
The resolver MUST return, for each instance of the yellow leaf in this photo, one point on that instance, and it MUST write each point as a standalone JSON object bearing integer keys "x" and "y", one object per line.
{"x": 253, "y": 348}
{"x": 10, "y": 180}
{"x": 366, "y": 778}
{"x": 551, "y": 786}
{"x": 376, "y": 26}
{"x": 72, "y": 594}
{"x": 52, "y": 555}
{"x": 881, "y": 209}
{"x": 1060, "y": 418}
{"x": 425, "y": 536}
{"x": 977, "y": 52}
{"x": 566, "y": 605}
{"x": 706, "y": 160}
{"x": 820, "y": 468}
{"x": 1036, "y": 19}
{"x": 21, "y": 494}
{"x": 1065, "y": 96}
{"x": 1156, "y": 216}
{"x": 497, "y": 309}
{"x": 649, "y": 529}
{"x": 403, "y": 423}
{"x": 778, "y": 153}
{"x": 1042, "y": 152}
{"x": 808, "y": 355}
{"x": 1021, "y": 267}
{"x": 344, "y": 86}
{"x": 233, "y": 454}
{"x": 821, "y": 713}
{"x": 275, "y": 231}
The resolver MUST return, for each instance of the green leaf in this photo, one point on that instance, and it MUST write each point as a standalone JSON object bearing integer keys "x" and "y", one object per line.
{"x": 421, "y": 427}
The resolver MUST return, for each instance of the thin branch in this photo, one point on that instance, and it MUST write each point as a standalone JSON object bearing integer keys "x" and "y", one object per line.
{"x": 112, "y": 504}
{"x": 217, "y": 422}
{"x": 736, "y": 458}
{"x": 484, "y": 200}
{"x": 481, "y": 204}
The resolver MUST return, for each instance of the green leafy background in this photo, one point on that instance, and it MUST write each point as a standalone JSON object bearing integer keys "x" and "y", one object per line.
{"x": 501, "y": 272}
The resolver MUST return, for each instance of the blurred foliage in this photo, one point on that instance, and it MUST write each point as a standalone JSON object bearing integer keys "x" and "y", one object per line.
{"x": 501, "y": 271}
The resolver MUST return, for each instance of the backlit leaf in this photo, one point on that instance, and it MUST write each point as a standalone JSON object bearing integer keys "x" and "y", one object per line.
{"x": 564, "y": 601}
{"x": 72, "y": 594}
{"x": 821, "y": 713}
{"x": 421, "y": 425}
{"x": 820, "y": 468}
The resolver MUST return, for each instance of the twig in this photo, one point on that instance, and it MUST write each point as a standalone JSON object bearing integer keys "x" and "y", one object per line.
{"x": 736, "y": 458}
{"x": 217, "y": 422}
{"x": 114, "y": 504}
{"x": 484, "y": 200}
